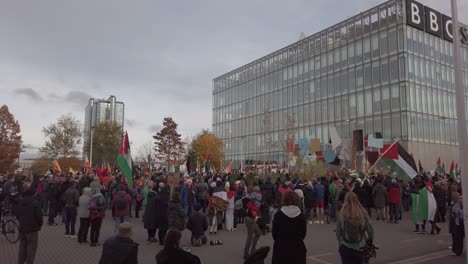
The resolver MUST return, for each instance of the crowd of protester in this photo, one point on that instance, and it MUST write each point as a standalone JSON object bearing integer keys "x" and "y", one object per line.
{"x": 282, "y": 205}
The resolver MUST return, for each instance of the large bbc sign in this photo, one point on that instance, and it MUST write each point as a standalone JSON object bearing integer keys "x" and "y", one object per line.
{"x": 433, "y": 22}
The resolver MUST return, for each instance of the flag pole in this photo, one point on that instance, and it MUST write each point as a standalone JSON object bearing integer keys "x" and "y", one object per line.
{"x": 381, "y": 156}
{"x": 460, "y": 104}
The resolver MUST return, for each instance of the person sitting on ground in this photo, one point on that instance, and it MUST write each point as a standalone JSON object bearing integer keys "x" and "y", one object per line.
{"x": 120, "y": 249}
{"x": 198, "y": 224}
{"x": 172, "y": 253}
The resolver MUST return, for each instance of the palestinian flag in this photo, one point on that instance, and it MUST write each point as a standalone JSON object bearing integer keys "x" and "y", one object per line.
{"x": 421, "y": 169}
{"x": 423, "y": 205}
{"x": 439, "y": 165}
{"x": 453, "y": 172}
{"x": 206, "y": 162}
{"x": 404, "y": 165}
{"x": 124, "y": 160}
{"x": 176, "y": 165}
{"x": 456, "y": 169}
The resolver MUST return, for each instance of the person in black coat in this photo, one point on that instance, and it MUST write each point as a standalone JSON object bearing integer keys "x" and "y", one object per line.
{"x": 289, "y": 231}
{"x": 172, "y": 253}
{"x": 164, "y": 197}
{"x": 364, "y": 194}
{"x": 120, "y": 249}
{"x": 151, "y": 217}
{"x": 29, "y": 215}
{"x": 440, "y": 195}
{"x": 309, "y": 200}
{"x": 268, "y": 191}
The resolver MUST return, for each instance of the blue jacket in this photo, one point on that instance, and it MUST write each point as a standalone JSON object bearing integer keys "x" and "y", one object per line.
{"x": 184, "y": 196}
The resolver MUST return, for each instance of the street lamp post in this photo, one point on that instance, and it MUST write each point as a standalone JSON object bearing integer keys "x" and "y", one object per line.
{"x": 91, "y": 147}
{"x": 460, "y": 103}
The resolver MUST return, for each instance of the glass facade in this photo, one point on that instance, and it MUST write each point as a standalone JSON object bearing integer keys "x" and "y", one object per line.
{"x": 102, "y": 110}
{"x": 370, "y": 72}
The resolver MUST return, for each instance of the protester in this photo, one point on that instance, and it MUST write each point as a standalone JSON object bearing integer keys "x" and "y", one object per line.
{"x": 319, "y": 191}
{"x": 83, "y": 214}
{"x": 457, "y": 226}
{"x": 176, "y": 214}
{"x": 70, "y": 198}
{"x": 253, "y": 231}
{"x": 164, "y": 197}
{"x": 309, "y": 201}
{"x": 172, "y": 253}
{"x": 353, "y": 229}
{"x": 188, "y": 198}
{"x": 29, "y": 215}
{"x": 379, "y": 196}
{"x": 198, "y": 224}
{"x": 289, "y": 231}
{"x": 151, "y": 217}
{"x": 54, "y": 201}
{"x": 440, "y": 196}
{"x": 230, "y": 209}
{"x": 43, "y": 192}
{"x": 120, "y": 249}
{"x": 138, "y": 197}
{"x": 97, "y": 211}
{"x": 95, "y": 184}
{"x": 393, "y": 201}
{"x": 202, "y": 194}
{"x": 121, "y": 205}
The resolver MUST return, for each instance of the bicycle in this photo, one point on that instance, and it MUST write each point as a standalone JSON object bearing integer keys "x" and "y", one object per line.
{"x": 9, "y": 226}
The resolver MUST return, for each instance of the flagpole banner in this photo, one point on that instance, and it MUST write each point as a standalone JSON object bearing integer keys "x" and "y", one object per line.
{"x": 315, "y": 145}
{"x": 303, "y": 147}
{"x": 375, "y": 142}
{"x": 335, "y": 138}
{"x": 403, "y": 165}
{"x": 124, "y": 160}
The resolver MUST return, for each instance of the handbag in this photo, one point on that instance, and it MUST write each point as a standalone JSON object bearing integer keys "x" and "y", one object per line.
{"x": 369, "y": 250}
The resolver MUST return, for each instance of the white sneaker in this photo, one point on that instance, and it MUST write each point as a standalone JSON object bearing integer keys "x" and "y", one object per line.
{"x": 310, "y": 222}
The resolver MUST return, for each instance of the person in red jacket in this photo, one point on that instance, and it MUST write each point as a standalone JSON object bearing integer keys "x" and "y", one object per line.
{"x": 121, "y": 205}
{"x": 393, "y": 200}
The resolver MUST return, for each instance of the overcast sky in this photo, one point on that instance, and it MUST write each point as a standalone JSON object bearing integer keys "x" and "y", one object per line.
{"x": 158, "y": 57}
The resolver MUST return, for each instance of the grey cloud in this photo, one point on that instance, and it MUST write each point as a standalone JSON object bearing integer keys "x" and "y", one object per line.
{"x": 30, "y": 93}
{"x": 77, "y": 97}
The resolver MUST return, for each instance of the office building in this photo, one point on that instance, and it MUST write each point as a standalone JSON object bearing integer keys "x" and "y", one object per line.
{"x": 99, "y": 110}
{"x": 388, "y": 69}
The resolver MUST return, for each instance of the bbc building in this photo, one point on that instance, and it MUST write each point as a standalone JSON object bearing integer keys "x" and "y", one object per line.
{"x": 388, "y": 70}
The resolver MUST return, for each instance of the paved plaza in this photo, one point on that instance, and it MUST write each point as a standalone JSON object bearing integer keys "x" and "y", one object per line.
{"x": 397, "y": 245}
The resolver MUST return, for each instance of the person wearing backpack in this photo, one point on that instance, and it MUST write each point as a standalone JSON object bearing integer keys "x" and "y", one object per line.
{"x": 83, "y": 214}
{"x": 121, "y": 205}
{"x": 353, "y": 230}
{"x": 138, "y": 196}
{"x": 97, "y": 211}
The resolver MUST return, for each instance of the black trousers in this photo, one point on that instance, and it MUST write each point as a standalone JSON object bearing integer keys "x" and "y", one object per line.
{"x": 458, "y": 234}
{"x": 350, "y": 256}
{"x": 52, "y": 213}
{"x": 27, "y": 247}
{"x": 83, "y": 230}
{"x": 137, "y": 209}
{"x": 162, "y": 236}
{"x": 95, "y": 229}
{"x": 151, "y": 233}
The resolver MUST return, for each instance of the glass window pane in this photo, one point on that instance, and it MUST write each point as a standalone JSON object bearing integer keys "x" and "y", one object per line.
{"x": 377, "y": 101}
{"x": 375, "y": 74}
{"x": 395, "y": 98}
{"x": 385, "y": 99}
{"x": 387, "y": 127}
{"x": 352, "y": 106}
{"x": 366, "y": 49}
{"x": 360, "y": 105}
{"x": 368, "y": 103}
{"x": 375, "y": 46}
{"x": 392, "y": 41}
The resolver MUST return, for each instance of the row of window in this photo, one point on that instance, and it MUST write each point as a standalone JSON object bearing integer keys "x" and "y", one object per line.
{"x": 390, "y": 125}
{"x": 387, "y": 14}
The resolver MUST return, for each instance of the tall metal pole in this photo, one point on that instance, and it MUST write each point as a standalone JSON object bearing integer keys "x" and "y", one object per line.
{"x": 460, "y": 103}
{"x": 91, "y": 147}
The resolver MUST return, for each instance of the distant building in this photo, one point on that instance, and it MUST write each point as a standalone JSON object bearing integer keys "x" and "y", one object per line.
{"x": 99, "y": 110}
